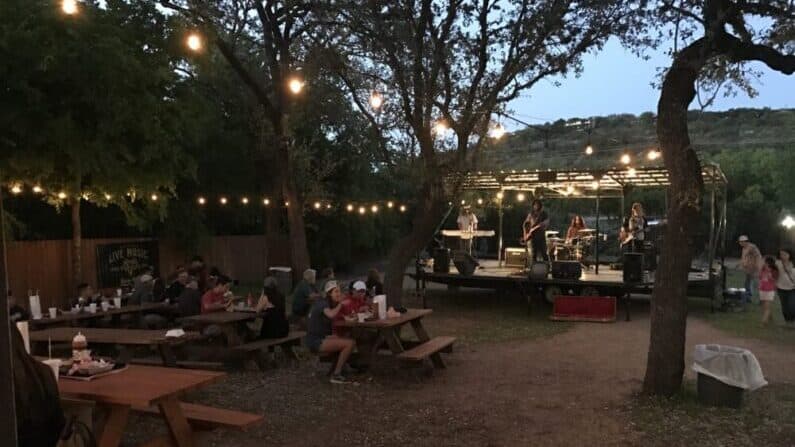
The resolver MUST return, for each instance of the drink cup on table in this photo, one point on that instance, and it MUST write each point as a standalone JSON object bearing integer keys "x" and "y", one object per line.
{"x": 92, "y": 308}
{"x": 105, "y": 306}
{"x": 117, "y": 302}
{"x": 53, "y": 312}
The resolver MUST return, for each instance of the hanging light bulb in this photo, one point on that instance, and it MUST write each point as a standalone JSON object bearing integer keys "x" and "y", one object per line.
{"x": 480, "y": 201}
{"x": 153, "y": 197}
{"x": 349, "y": 208}
{"x": 569, "y": 189}
{"x": 266, "y": 201}
{"x": 328, "y": 206}
{"x": 244, "y": 200}
{"x": 362, "y": 210}
{"x": 390, "y": 204}
{"x": 402, "y": 208}
{"x": 286, "y": 203}
{"x": 317, "y": 205}
{"x": 223, "y": 200}
{"x": 61, "y": 195}
{"x": 500, "y": 195}
{"x": 626, "y": 159}
{"x": 69, "y": 7}
{"x": 463, "y": 202}
{"x": 520, "y": 197}
{"x": 16, "y": 188}
{"x": 201, "y": 200}
{"x": 376, "y": 100}
{"x": 653, "y": 154}
{"x": 37, "y": 189}
{"x": 631, "y": 172}
{"x": 194, "y": 41}
{"x": 788, "y": 222}
{"x": 295, "y": 85}
{"x": 374, "y": 209}
{"x": 440, "y": 127}
{"x": 498, "y": 132}
{"x": 589, "y": 150}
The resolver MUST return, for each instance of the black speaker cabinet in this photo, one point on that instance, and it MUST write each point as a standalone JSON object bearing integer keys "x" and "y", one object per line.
{"x": 633, "y": 267}
{"x": 516, "y": 257}
{"x": 464, "y": 262}
{"x": 649, "y": 256}
{"x": 441, "y": 260}
{"x": 566, "y": 269}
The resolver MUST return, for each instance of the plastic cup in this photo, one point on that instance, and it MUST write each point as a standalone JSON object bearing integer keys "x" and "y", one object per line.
{"x": 55, "y": 365}
{"x": 361, "y": 316}
{"x": 53, "y": 312}
{"x": 117, "y": 302}
{"x": 118, "y": 293}
{"x": 105, "y": 306}
{"x": 92, "y": 308}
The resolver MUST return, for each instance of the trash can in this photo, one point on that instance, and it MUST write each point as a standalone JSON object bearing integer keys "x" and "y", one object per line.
{"x": 284, "y": 278}
{"x": 724, "y": 374}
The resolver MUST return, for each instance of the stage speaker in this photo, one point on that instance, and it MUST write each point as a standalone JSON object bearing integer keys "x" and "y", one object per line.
{"x": 441, "y": 260}
{"x": 539, "y": 270}
{"x": 633, "y": 267}
{"x": 516, "y": 257}
{"x": 649, "y": 256}
{"x": 464, "y": 262}
{"x": 566, "y": 269}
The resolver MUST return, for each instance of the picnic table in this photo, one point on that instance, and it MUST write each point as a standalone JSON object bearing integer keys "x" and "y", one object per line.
{"x": 228, "y": 322}
{"x": 140, "y": 387}
{"x": 68, "y": 318}
{"x": 124, "y": 337}
{"x": 388, "y": 331}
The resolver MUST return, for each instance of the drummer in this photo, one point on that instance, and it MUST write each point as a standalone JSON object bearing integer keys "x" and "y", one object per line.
{"x": 577, "y": 225}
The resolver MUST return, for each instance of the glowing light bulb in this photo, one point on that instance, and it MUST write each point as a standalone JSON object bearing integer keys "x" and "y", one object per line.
{"x": 374, "y": 208}
{"x": 286, "y": 203}
{"x": 569, "y": 189}
{"x": 194, "y": 42}
{"x": 440, "y": 127}
{"x": 16, "y": 189}
{"x": 108, "y": 196}
{"x": 631, "y": 172}
{"x": 266, "y": 202}
{"x": 390, "y": 204}
{"x": 480, "y": 201}
{"x": 520, "y": 197}
{"x": 589, "y": 150}
{"x": 362, "y": 210}
{"x": 153, "y": 197}
{"x": 402, "y": 208}
{"x": 788, "y": 222}
{"x": 201, "y": 200}
{"x": 244, "y": 200}
{"x": 295, "y": 85}
{"x": 37, "y": 189}
{"x": 463, "y": 202}
{"x": 376, "y": 100}
{"x": 61, "y": 195}
{"x": 626, "y": 159}
{"x": 69, "y": 7}
{"x": 653, "y": 154}
{"x": 498, "y": 132}
{"x": 500, "y": 195}
{"x": 349, "y": 208}
{"x": 317, "y": 205}
{"x": 223, "y": 200}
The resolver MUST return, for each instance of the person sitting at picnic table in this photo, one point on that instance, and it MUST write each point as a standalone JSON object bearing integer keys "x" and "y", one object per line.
{"x": 319, "y": 338}
{"x": 174, "y": 290}
{"x": 15, "y": 311}
{"x": 189, "y": 301}
{"x": 354, "y": 302}
{"x": 304, "y": 294}
{"x": 375, "y": 286}
{"x": 85, "y": 295}
{"x": 215, "y": 299}
{"x": 271, "y": 308}
{"x": 326, "y": 275}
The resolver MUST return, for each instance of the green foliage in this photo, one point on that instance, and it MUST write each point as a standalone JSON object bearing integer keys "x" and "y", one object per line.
{"x": 91, "y": 104}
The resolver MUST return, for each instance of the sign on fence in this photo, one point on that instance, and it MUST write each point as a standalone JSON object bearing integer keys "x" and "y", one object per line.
{"x": 118, "y": 264}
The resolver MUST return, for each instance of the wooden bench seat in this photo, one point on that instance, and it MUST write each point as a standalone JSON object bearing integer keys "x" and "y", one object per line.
{"x": 256, "y": 349}
{"x": 430, "y": 348}
{"x": 206, "y": 417}
{"x": 187, "y": 364}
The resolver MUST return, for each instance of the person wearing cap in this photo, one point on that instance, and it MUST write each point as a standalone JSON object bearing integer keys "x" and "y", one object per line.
{"x": 751, "y": 264}
{"x": 467, "y": 224}
{"x": 319, "y": 337}
{"x": 214, "y": 300}
{"x": 354, "y": 302}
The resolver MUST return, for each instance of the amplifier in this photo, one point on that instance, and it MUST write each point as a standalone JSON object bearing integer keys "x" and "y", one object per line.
{"x": 539, "y": 270}
{"x": 441, "y": 260}
{"x": 515, "y": 257}
{"x": 566, "y": 269}
{"x": 464, "y": 263}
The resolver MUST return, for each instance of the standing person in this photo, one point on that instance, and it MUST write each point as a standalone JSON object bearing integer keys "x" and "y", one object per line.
{"x": 304, "y": 294}
{"x": 374, "y": 284}
{"x": 750, "y": 263}
{"x": 467, "y": 225}
{"x": 319, "y": 338}
{"x": 786, "y": 285}
{"x": 767, "y": 286}
{"x": 198, "y": 270}
{"x": 534, "y": 232}
{"x": 326, "y": 275}
{"x": 637, "y": 227}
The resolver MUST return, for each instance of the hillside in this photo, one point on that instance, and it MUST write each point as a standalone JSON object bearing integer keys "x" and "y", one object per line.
{"x": 562, "y": 143}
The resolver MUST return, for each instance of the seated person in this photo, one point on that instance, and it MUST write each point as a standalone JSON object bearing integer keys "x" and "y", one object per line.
{"x": 374, "y": 284}
{"x": 85, "y": 296}
{"x": 304, "y": 294}
{"x": 189, "y": 301}
{"x": 215, "y": 299}
{"x": 143, "y": 291}
{"x": 319, "y": 338}
{"x": 353, "y": 303}
{"x": 174, "y": 290}
{"x": 577, "y": 224}
{"x": 15, "y": 311}
{"x": 271, "y": 309}
{"x": 326, "y": 275}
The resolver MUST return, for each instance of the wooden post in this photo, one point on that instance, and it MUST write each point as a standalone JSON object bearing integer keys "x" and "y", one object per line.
{"x": 596, "y": 246}
{"x": 8, "y": 419}
{"x": 499, "y": 245}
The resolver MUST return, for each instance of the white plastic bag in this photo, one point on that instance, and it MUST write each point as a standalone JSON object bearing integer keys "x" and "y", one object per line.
{"x": 35, "y": 307}
{"x": 731, "y": 365}
{"x": 380, "y": 302}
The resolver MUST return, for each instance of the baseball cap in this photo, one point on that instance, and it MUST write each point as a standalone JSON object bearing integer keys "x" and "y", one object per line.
{"x": 331, "y": 285}
{"x": 359, "y": 285}
{"x": 742, "y": 238}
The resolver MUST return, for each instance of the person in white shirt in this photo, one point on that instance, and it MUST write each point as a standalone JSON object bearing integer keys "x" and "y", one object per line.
{"x": 467, "y": 224}
{"x": 785, "y": 285}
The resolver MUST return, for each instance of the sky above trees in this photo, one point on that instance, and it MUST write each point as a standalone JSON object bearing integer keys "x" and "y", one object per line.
{"x": 616, "y": 81}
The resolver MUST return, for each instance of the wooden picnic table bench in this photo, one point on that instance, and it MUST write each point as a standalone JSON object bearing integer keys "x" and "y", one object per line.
{"x": 141, "y": 387}
{"x": 255, "y": 350}
{"x": 122, "y": 337}
{"x": 389, "y": 332}
{"x": 228, "y": 322}
{"x": 203, "y": 417}
{"x": 68, "y": 318}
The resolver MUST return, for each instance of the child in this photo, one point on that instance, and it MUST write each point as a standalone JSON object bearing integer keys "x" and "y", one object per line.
{"x": 767, "y": 286}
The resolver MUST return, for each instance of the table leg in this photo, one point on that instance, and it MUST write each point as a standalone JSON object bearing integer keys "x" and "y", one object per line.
{"x": 167, "y": 354}
{"x": 113, "y": 428}
{"x": 393, "y": 340}
{"x": 423, "y": 336}
{"x": 178, "y": 427}
{"x": 232, "y": 337}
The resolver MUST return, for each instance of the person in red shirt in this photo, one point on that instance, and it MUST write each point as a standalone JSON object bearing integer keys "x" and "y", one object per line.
{"x": 215, "y": 300}
{"x": 354, "y": 302}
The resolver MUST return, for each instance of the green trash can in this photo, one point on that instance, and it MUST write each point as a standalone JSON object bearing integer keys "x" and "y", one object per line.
{"x": 714, "y": 393}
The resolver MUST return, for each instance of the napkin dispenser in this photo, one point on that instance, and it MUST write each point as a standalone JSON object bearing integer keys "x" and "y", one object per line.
{"x": 380, "y": 303}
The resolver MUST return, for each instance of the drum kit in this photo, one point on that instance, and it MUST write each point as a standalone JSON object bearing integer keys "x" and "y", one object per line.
{"x": 575, "y": 249}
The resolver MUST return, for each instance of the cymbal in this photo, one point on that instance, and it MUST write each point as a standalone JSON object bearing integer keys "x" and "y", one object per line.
{"x": 556, "y": 239}
{"x": 587, "y": 230}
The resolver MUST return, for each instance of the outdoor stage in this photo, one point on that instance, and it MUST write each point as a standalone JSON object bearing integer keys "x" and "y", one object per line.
{"x": 606, "y": 283}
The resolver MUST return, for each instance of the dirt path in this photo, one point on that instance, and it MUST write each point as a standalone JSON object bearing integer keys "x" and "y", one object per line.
{"x": 563, "y": 390}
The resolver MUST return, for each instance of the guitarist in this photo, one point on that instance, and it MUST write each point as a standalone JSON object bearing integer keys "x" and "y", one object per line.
{"x": 636, "y": 229}
{"x": 533, "y": 232}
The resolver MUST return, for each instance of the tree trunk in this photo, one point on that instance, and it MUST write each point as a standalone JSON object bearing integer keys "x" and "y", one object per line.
{"x": 8, "y": 420}
{"x": 429, "y": 212}
{"x": 77, "y": 242}
{"x": 665, "y": 362}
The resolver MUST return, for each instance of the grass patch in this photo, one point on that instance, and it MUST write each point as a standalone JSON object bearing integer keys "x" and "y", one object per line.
{"x": 767, "y": 419}
{"x": 745, "y": 324}
{"x": 478, "y": 316}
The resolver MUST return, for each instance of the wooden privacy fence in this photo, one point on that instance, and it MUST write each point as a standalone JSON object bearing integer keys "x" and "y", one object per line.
{"x": 47, "y": 265}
